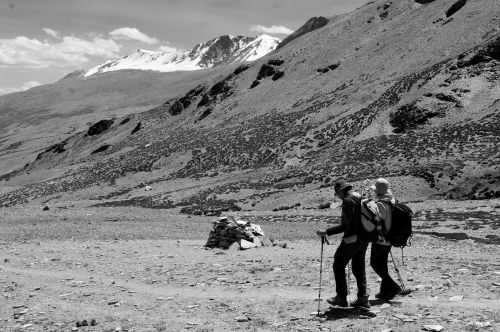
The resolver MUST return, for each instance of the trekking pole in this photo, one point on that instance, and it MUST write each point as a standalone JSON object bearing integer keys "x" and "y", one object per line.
{"x": 349, "y": 278}
{"x": 404, "y": 290}
{"x": 323, "y": 241}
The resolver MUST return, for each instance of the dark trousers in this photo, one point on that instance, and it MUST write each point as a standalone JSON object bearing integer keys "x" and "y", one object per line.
{"x": 378, "y": 261}
{"x": 345, "y": 252}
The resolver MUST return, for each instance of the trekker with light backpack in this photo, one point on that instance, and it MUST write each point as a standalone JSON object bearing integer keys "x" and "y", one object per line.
{"x": 381, "y": 247}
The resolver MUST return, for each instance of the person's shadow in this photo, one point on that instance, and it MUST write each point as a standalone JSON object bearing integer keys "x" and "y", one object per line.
{"x": 334, "y": 313}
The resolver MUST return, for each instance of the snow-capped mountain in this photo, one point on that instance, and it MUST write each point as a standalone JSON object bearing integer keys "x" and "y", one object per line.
{"x": 226, "y": 49}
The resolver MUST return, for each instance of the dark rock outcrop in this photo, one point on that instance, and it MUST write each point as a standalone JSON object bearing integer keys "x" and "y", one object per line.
{"x": 311, "y": 25}
{"x": 278, "y": 75}
{"x": 423, "y": 2}
{"x": 56, "y": 148}
{"x": 254, "y": 84}
{"x": 99, "y": 127}
{"x": 101, "y": 149}
{"x": 484, "y": 54}
{"x": 125, "y": 121}
{"x": 241, "y": 69}
{"x": 275, "y": 62}
{"x": 455, "y": 7}
{"x": 136, "y": 128}
{"x": 411, "y": 116}
{"x": 176, "y": 108}
{"x": 266, "y": 71}
{"x": 205, "y": 113}
{"x": 324, "y": 70}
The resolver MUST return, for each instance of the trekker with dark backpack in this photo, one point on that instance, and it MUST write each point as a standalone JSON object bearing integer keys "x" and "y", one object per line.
{"x": 352, "y": 247}
{"x": 393, "y": 228}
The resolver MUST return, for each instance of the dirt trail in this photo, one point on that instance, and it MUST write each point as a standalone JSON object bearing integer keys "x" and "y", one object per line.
{"x": 289, "y": 293}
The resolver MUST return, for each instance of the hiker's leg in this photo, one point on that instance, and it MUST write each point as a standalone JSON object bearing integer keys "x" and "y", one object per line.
{"x": 340, "y": 261}
{"x": 390, "y": 284}
{"x": 379, "y": 263}
{"x": 358, "y": 268}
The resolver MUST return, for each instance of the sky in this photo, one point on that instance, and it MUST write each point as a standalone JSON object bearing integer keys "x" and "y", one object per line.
{"x": 43, "y": 40}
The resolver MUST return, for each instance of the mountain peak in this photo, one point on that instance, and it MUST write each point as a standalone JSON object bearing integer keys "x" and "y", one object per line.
{"x": 225, "y": 49}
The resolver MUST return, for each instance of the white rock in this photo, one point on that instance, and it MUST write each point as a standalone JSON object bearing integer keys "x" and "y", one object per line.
{"x": 242, "y": 319}
{"x": 433, "y": 328}
{"x": 244, "y": 244}
{"x": 456, "y": 298}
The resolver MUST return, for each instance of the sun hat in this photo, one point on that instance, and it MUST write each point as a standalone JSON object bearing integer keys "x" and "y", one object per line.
{"x": 342, "y": 185}
{"x": 381, "y": 186}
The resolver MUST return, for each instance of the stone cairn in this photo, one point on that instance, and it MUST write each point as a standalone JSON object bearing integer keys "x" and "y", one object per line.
{"x": 228, "y": 232}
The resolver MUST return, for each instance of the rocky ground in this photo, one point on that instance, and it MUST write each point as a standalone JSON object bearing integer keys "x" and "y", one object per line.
{"x": 133, "y": 269}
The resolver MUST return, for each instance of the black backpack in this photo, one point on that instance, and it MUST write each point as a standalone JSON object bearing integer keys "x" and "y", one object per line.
{"x": 401, "y": 229}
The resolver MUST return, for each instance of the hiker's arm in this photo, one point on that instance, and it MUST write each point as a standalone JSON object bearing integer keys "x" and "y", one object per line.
{"x": 335, "y": 230}
{"x": 347, "y": 217}
{"x": 346, "y": 213}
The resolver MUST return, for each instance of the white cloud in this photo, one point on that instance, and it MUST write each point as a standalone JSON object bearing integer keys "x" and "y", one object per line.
{"x": 133, "y": 34}
{"x": 24, "y": 87}
{"x": 169, "y": 49}
{"x": 50, "y": 32}
{"x": 68, "y": 51}
{"x": 272, "y": 30}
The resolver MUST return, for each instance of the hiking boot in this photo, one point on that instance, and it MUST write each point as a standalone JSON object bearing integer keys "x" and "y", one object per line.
{"x": 361, "y": 302}
{"x": 389, "y": 295}
{"x": 338, "y": 301}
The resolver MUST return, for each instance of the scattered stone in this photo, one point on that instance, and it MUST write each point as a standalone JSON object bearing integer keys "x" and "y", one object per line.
{"x": 456, "y": 298}
{"x": 45, "y": 208}
{"x": 113, "y": 302}
{"x": 241, "y": 319}
{"x": 479, "y": 325}
{"x": 433, "y": 328}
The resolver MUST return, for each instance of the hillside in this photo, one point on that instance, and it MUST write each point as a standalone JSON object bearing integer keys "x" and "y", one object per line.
{"x": 399, "y": 89}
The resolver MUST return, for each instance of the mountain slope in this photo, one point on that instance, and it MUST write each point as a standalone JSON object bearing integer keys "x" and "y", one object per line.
{"x": 393, "y": 89}
{"x": 219, "y": 51}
